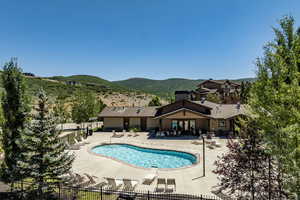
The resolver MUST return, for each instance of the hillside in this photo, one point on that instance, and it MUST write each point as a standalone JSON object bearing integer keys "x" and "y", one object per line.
{"x": 89, "y": 80}
{"x": 159, "y": 87}
{"x": 164, "y": 87}
{"x": 135, "y": 91}
{"x": 109, "y": 93}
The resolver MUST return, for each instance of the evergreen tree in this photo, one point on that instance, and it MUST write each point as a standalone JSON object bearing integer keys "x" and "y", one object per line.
{"x": 46, "y": 155}
{"x": 245, "y": 92}
{"x": 155, "y": 101}
{"x": 15, "y": 110}
{"x": 213, "y": 98}
{"x": 275, "y": 101}
{"x": 1, "y": 125}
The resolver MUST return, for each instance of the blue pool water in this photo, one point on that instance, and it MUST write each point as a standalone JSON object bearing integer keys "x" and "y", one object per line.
{"x": 144, "y": 157}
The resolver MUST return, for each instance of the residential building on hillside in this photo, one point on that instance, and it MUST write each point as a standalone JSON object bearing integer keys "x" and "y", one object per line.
{"x": 228, "y": 91}
{"x": 74, "y": 83}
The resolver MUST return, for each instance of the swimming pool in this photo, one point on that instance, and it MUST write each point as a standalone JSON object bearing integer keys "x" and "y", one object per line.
{"x": 145, "y": 157}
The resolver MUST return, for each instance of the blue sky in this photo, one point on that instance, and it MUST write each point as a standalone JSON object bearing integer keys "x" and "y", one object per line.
{"x": 119, "y": 39}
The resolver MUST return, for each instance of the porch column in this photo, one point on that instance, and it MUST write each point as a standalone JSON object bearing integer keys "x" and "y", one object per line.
{"x": 208, "y": 124}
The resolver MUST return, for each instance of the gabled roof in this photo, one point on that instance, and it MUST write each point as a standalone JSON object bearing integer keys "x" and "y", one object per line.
{"x": 183, "y": 104}
{"x": 184, "y": 92}
{"x": 204, "y": 108}
{"x": 128, "y": 112}
{"x": 183, "y": 109}
{"x": 224, "y": 111}
{"x": 220, "y": 82}
{"x": 206, "y": 90}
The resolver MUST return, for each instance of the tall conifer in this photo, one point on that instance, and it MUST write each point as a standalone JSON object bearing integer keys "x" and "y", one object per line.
{"x": 15, "y": 110}
{"x": 46, "y": 155}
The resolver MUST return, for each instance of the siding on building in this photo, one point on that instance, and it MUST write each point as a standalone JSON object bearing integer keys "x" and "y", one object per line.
{"x": 183, "y": 115}
{"x": 214, "y": 125}
{"x": 134, "y": 122}
{"x": 166, "y": 123}
{"x": 152, "y": 123}
{"x": 113, "y": 123}
{"x": 202, "y": 124}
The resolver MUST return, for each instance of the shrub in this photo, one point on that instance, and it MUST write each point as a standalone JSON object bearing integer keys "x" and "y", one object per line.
{"x": 135, "y": 129}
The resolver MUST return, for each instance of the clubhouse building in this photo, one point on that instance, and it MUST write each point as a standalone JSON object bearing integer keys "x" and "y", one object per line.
{"x": 184, "y": 115}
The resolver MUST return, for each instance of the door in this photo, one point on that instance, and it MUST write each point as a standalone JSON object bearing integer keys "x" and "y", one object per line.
{"x": 126, "y": 124}
{"x": 186, "y": 125}
{"x": 231, "y": 125}
{"x": 143, "y": 124}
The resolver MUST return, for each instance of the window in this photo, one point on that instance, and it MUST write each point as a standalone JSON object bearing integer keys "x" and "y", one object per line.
{"x": 192, "y": 124}
{"x": 174, "y": 124}
{"x": 221, "y": 123}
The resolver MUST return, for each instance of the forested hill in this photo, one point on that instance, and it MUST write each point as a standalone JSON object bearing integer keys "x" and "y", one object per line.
{"x": 60, "y": 85}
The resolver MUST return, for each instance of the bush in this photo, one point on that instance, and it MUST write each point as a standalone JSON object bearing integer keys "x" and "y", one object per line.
{"x": 135, "y": 129}
{"x": 98, "y": 129}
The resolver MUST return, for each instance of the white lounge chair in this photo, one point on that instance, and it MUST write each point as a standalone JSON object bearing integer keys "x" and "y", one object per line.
{"x": 135, "y": 134}
{"x": 69, "y": 178}
{"x": 161, "y": 185}
{"x": 113, "y": 184}
{"x": 217, "y": 144}
{"x": 95, "y": 184}
{"x": 115, "y": 135}
{"x": 78, "y": 143}
{"x": 171, "y": 185}
{"x": 129, "y": 185}
{"x": 81, "y": 181}
{"x": 197, "y": 142}
{"x": 84, "y": 140}
{"x": 149, "y": 178}
{"x": 72, "y": 147}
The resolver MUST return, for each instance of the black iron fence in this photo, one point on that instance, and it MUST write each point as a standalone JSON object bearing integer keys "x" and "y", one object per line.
{"x": 25, "y": 191}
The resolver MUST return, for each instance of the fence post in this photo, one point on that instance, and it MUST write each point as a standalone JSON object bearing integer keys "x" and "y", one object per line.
{"x": 101, "y": 192}
{"x": 22, "y": 188}
{"x": 59, "y": 190}
{"x": 148, "y": 195}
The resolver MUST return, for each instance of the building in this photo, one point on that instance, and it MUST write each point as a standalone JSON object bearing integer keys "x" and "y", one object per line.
{"x": 227, "y": 90}
{"x": 29, "y": 74}
{"x": 184, "y": 115}
{"x": 74, "y": 83}
{"x": 188, "y": 95}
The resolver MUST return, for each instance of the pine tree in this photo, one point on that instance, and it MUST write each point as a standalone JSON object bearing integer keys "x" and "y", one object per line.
{"x": 213, "y": 97}
{"x": 275, "y": 101}
{"x": 155, "y": 101}
{"x": 46, "y": 155}
{"x": 15, "y": 110}
{"x": 245, "y": 92}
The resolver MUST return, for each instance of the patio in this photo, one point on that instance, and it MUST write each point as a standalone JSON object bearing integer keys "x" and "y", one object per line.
{"x": 189, "y": 180}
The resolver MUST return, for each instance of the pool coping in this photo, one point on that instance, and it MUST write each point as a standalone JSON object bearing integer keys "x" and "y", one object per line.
{"x": 138, "y": 167}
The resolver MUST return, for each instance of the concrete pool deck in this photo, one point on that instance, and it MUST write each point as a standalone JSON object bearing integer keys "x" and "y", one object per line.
{"x": 189, "y": 180}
